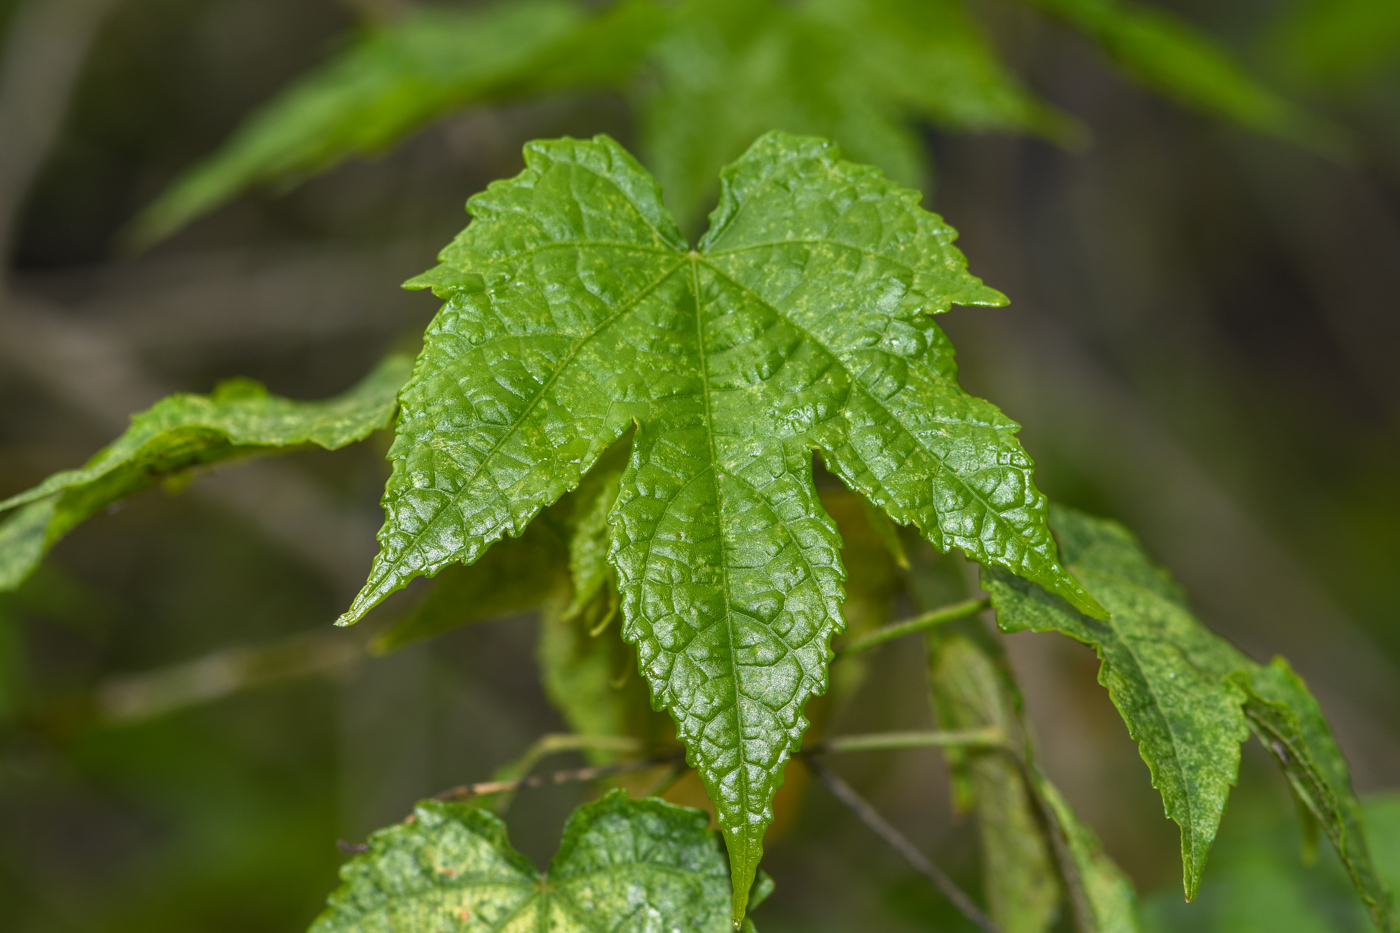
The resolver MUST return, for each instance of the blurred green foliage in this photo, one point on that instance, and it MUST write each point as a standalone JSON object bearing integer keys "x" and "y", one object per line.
{"x": 1229, "y": 297}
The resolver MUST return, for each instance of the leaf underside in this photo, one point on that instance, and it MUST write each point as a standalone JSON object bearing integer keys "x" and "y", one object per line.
{"x": 181, "y": 433}
{"x": 971, "y": 692}
{"x": 621, "y": 865}
{"x": 575, "y": 310}
{"x": 1189, "y": 698}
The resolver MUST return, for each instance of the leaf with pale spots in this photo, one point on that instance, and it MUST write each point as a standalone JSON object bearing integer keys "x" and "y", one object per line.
{"x": 1190, "y": 698}
{"x": 622, "y": 865}
{"x": 575, "y": 310}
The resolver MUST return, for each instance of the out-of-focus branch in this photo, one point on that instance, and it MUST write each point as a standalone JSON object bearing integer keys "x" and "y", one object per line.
{"x": 188, "y": 302}
{"x": 40, "y": 61}
{"x": 134, "y": 697}
{"x": 990, "y": 738}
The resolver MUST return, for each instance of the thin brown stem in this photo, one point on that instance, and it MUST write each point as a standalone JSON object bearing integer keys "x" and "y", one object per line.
{"x": 533, "y": 781}
{"x": 877, "y": 824}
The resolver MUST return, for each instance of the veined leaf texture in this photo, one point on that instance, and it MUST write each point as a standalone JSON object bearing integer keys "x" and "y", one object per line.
{"x": 575, "y": 310}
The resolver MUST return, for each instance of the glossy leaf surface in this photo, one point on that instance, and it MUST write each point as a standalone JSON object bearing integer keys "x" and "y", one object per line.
{"x": 575, "y": 310}
{"x": 183, "y": 432}
{"x": 621, "y": 865}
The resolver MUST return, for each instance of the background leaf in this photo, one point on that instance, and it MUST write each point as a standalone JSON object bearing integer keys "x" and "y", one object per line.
{"x": 1187, "y": 695}
{"x": 1108, "y": 891}
{"x": 183, "y": 432}
{"x": 1183, "y": 62}
{"x": 389, "y": 83}
{"x": 1289, "y": 722}
{"x": 1338, "y": 43}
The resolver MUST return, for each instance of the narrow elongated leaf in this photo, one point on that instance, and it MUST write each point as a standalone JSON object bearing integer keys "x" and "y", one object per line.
{"x": 1338, "y": 42}
{"x": 1164, "y": 671}
{"x": 969, "y": 692}
{"x": 1182, "y": 62}
{"x": 24, "y": 539}
{"x": 575, "y": 310}
{"x": 182, "y": 432}
{"x": 1111, "y": 900}
{"x": 622, "y": 865}
{"x": 386, "y": 85}
{"x": 1289, "y": 722}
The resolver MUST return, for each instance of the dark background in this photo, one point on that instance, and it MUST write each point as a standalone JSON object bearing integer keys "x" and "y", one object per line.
{"x": 1202, "y": 342}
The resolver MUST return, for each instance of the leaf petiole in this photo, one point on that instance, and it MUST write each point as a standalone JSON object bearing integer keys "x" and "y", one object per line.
{"x": 909, "y": 626}
{"x": 990, "y": 737}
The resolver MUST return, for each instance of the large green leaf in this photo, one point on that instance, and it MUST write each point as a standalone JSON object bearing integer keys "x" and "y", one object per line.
{"x": 574, "y": 310}
{"x": 1189, "y": 698}
{"x": 182, "y": 432}
{"x": 1183, "y": 62}
{"x": 622, "y": 865}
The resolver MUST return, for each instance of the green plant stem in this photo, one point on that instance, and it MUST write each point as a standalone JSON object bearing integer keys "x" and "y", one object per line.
{"x": 910, "y": 626}
{"x": 990, "y": 737}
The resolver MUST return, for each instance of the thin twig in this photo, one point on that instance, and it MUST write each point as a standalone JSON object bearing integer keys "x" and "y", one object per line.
{"x": 135, "y": 697}
{"x": 896, "y": 840}
{"x": 558, "y": 777}
{"x": 553, "y": 744}
{"x": 910, "y": 626}
{"x": 990, "y": 737}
